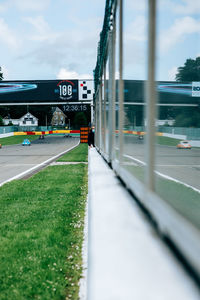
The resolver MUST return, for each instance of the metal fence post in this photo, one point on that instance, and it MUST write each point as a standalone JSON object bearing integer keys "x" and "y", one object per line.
{"x": 104, "y": 112}
{"x": 151, "y": 97}
{"x": 110, "y": 97}
{"x": 113, "y": 85}
{"x": 100, "y": 115}
{"x": 121, "y": 84}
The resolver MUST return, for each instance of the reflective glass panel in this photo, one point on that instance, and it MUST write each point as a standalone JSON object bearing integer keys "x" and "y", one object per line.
{"x": 134, "y": 75}
{"x": 178, "y": 122}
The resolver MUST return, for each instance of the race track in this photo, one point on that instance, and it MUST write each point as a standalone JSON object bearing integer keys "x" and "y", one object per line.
{"x": 17, "y": 159}
{"x": 183, "y": 165}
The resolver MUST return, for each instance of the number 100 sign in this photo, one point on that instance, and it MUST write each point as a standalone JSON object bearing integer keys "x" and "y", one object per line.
{"x": 67, "y": 89}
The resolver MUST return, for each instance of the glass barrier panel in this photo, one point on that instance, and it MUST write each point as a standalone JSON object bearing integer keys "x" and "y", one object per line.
{"x": 116, "y": 134}
{"x": 106, "y": 113}
{"x": 134, "y": 75}
{"x": 178, "y": 122}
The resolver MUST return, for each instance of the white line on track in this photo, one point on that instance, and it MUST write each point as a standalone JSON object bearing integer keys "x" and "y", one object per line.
{"x": 135, "y": 159}
{"x": 37, "y": 166}
{"x": 163, "y": 175}
{"x": 178, "y": 166}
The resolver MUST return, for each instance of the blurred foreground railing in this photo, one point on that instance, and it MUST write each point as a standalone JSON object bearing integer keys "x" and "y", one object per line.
{"x": 151, "y": 173}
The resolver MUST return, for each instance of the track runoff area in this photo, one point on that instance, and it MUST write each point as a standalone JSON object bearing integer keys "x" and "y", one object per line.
{"x": 171, "y": 163}
{"x": 19, "y": 161}
{"x": 73, "y": 95}
{"x": 180, "y": 166}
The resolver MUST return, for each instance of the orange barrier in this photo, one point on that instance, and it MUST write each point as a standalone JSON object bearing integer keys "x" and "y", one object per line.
{"x": 77, "y": 131}
{"x": 45, "y": 132}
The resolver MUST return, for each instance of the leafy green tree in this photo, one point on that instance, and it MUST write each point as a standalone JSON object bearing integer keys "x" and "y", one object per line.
{"x": 190, "y": 71}
{"x": 188, "y": 118}
{"x": 1, "y": 121}
{"x": 1, "y": 74}
{"x": 10, "y": 123}
{"x": 80, "y": 120}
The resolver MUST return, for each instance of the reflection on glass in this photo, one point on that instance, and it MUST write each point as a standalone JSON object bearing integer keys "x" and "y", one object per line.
{"x": 178, "y": 133}
{"x": 116, "y": 141}
{"x": 106, "y": 108}
{"x": 135, "y": 70}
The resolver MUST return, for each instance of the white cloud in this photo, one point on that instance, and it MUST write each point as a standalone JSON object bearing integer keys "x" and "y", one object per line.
{"x": 177, "y": 32}
{"x": 24, "y": 5}
{"x": 135, "y": 44}
{"x": 136, "y": 30}
{"x": 7, "y": 36}
{"x": 3, "y": 7}
{"x": 180, "y": 7}
{"x": 50, "y": 42}
{"x": 42, "y": 29}
{"x": 70, "y": 74}
{"x": 187, "y": 7}
{"x": 38, "y": 23}
{"x": 172, "y": 73}
{"x": 31, "y": 5}
{"x": 73, "y": 49}
{"x": 136, "y": 5}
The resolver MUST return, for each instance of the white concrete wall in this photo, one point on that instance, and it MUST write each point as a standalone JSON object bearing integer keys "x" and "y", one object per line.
{"x": 6, "y": 134}
{"x": 182, "y": 137}
{"x": 175, "y": 136}
{"x": 127, "y": 260}
{"x": 194, "y": 143}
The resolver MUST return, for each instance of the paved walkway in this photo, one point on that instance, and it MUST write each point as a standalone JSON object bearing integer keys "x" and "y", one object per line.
{"x": 127, "y": 261}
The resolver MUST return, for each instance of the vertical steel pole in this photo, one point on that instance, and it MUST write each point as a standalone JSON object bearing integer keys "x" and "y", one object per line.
{"x": 112, "y": 91}
{"x": 113, "y": 86}
{"x": 104, "y": 113}
{"x": 121, "y": 84}
{"x": 92, "y": 112}
{"x": 110, "y": 98}
{"x": 96, "y": 119}
{"x": 151, "y": 97}
{"x": 100, "y": 115}
{"x": 99, "y": 128}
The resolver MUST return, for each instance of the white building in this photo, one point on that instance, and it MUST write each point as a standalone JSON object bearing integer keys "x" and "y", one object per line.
{"x": 27, "y": 120}
{"x": 167, "y": 122}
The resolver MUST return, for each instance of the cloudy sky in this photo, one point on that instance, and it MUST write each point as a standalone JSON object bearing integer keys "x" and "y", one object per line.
{"x": 49, "y": 39}
{"x": 178, "y": 28}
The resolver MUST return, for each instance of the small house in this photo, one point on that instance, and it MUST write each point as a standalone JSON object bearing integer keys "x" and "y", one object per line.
{"x": 58, "y": 118}
{"x": 27, "y": 120}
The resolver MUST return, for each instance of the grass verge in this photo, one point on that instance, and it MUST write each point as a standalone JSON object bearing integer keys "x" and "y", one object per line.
{"x": 164, "y": 140}
{"x": 17, "y": 139}
{"x": 78, "y": 154}
{"x": 41, "y": 224}
{"x": 184, "y": 199}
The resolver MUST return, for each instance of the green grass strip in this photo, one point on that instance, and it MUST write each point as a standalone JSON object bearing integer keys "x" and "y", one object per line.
{"x": 17, "y": 139}
{"x": 164, "y": 140}
{"x": 78, "y": 154}
{"x": 41, "y": 225}
{"x": 182, "y": 198}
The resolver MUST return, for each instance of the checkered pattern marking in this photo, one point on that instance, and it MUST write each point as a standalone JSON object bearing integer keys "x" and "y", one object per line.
{"x": 86, "y": 89}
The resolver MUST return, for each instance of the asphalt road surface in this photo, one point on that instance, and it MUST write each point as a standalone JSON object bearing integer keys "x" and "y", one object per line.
{"x": 181, "y": 164}
{"x": 17, "y": 159}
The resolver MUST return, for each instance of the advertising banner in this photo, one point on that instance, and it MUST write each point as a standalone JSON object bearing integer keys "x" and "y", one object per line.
{"x": 82, "y": 91}
{"x": 46, "y": 91}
